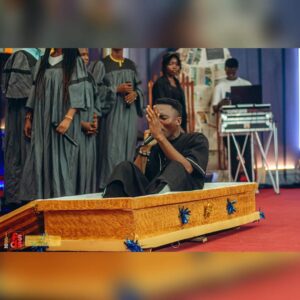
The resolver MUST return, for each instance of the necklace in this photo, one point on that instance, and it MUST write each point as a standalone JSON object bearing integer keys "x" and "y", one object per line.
{"x": 119, "y": 61}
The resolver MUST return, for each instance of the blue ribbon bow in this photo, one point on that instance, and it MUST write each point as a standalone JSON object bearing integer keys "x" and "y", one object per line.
{"x": 184, "y": 215}
{"x": 230, "y": 207}
{"x": 133, "y": 246}
{"x": 261, "y": 214}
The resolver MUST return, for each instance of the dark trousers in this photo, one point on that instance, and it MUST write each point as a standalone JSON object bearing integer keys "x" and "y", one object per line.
{"x": 128, "y": 181}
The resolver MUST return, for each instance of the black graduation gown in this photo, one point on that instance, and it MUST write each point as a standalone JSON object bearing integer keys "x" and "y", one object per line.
{"x": 17, "y": 80}
{"x": 119, "y": 122}
{"x": 52, "y": 164}
{"x": 88, "y": 151}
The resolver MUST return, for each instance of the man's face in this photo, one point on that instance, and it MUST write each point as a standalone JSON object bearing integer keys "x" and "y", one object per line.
{"x": 169, "y": 120}
{"x": 84, "y": 53}
{"x": 231, "y": 73}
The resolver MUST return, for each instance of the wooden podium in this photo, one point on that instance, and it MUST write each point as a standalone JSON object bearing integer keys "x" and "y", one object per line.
{"x": 88, "y": 223}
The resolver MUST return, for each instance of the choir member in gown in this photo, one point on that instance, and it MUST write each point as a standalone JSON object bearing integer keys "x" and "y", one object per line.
{"x": 17, "y": 80}
{"x": 60, "y": 91}
{"x": 121, "y": 108}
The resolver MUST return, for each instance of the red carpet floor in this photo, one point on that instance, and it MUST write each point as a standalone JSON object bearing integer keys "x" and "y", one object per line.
{"x": 280, "y": 231}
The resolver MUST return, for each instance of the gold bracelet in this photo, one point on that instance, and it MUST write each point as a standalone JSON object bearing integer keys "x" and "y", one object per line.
{"x": 69, "y": 117}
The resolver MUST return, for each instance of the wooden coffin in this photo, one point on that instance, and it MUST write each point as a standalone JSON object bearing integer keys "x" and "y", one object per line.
{"x": 88, "y": 223}
{"x": 24, "y": 220}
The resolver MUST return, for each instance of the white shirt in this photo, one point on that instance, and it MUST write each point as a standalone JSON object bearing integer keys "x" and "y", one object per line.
{"x": 224, "y": 86}
{"x": 53, "y": 60}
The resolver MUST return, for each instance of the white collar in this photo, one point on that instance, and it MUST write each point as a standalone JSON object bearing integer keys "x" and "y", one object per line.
{"x": 55, "y": 60}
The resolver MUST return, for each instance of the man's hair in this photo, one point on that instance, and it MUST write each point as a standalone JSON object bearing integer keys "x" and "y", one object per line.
{"x": 174, "y": 103}
{"x": 232, "y": 63}
{"x": 166, "y": 60}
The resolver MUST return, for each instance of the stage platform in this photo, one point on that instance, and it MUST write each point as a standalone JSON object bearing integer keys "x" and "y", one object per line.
{"x": 91, "y": 223}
